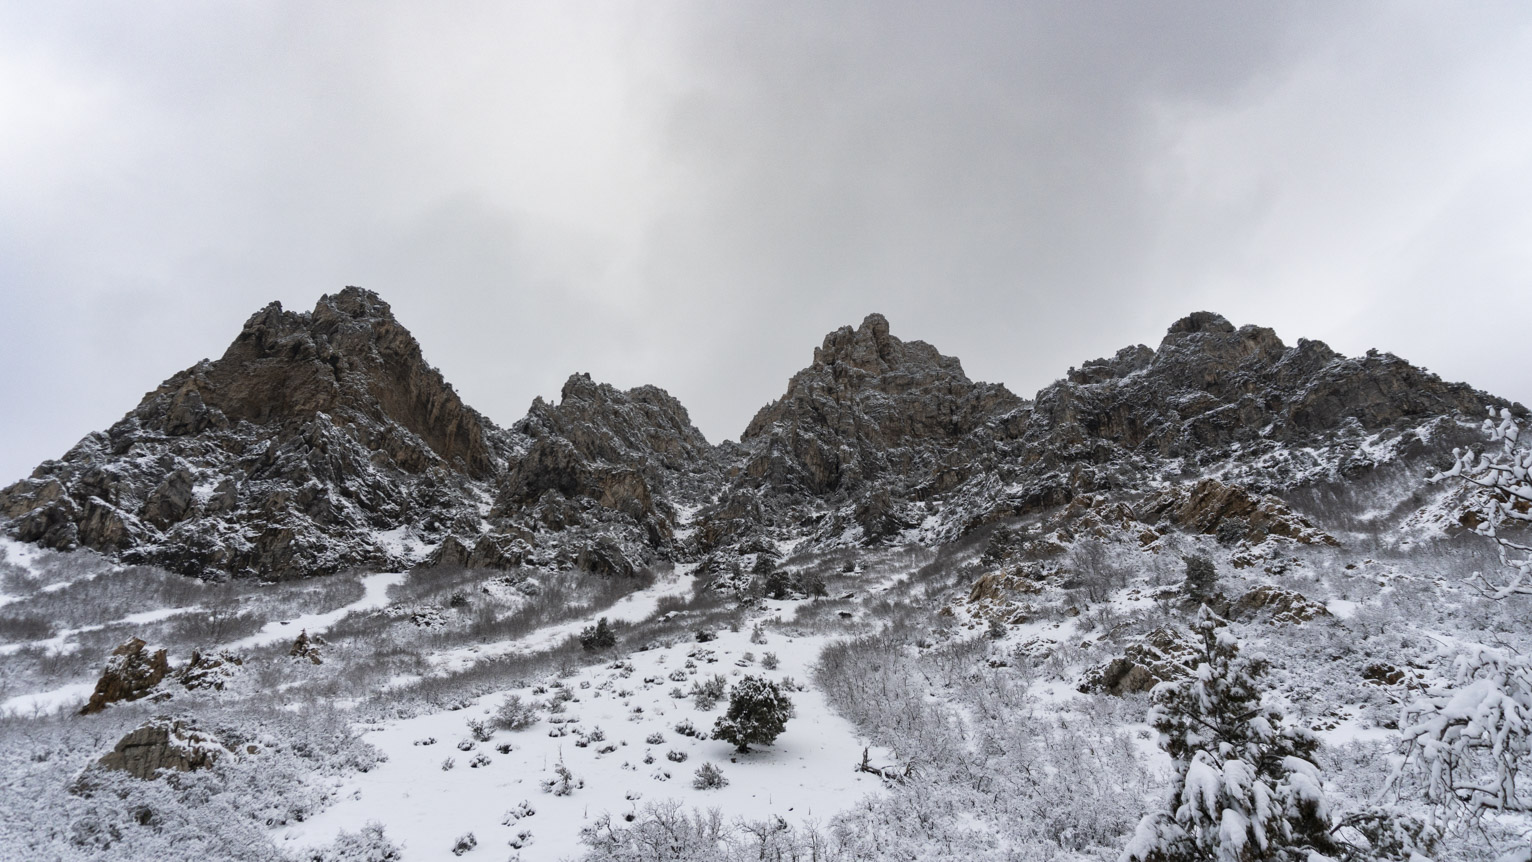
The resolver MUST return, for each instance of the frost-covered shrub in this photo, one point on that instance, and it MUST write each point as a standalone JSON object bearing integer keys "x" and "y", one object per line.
{"x": 598, "y": 637}
{"x": 366, "y": 845}
{"x": 523, "y": 809}
{"x": 480, "y": 730}
{"x": 757, "y": 714}
{"x": 709, "y": 777}
{"x": 655, "y": 738}
{"x": 769, "y": 661}
{"x": 707, "y": 693}
{"x": 480, "y": 759}
{"x": 447, "y": 764}
{"x": 1470, "y": 736}
{"x": 464, "y": 843}
{"x": 675, "y": 756}
{"x": 515, "y": 714}
{"x": 662, "y": 831}
{"x": 1201, "y": 578}
{"x": 563, "y": 782}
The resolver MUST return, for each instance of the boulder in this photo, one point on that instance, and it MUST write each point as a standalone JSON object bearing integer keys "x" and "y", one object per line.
{"x": 1161, "y": 655}
{"x": 163, "y": 744}
{"x": 1276, "y": 605}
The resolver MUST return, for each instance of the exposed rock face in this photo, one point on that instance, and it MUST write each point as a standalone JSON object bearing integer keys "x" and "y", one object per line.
{"x": 163, "y": 744}
{"x": 322, "y": 441}
{"x": 872, "y": 407}
{"x": 306, "y": 648}
{"x": 619, "y": 462}
{"x": 1276, "y": 605}
{"x": 283, "y": 458}
{"x": 131, "y": 673}
{"x": 209, "y": 671}
{"x": 1211, "y": 392}
{"x": 1161, "y": 656}
{"x": 1229, "y": 512}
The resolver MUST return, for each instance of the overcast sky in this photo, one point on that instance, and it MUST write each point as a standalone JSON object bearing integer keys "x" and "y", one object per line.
{"x": 692, "y": 195}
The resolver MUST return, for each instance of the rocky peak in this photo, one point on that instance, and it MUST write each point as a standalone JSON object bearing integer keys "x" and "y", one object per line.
{"x": 348, "y": 356}
{"x": 874, "y": 421}
{"x": 606, "y": 424}
{"x": 285, "y": 457}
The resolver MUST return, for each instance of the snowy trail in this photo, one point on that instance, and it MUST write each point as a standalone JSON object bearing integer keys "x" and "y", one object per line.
{"x": 375, "y": 596}
{"x": 632, "y": 608}
{"x": 808, "y": 775}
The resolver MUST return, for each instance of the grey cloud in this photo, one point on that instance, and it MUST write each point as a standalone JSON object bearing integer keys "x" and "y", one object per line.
{"x": 691, "y": 195}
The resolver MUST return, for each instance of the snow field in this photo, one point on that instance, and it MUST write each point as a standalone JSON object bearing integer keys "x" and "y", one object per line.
{"x": 808, "y": 775}
{"x": 376, "y": 596}
{"x": 633, "y": 608}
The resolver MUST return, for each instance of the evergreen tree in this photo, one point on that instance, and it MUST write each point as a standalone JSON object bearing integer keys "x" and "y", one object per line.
{"x": 1201, "y": 578}
{"x": 1246, "y": 786}
{"x": 758, "y": 713}
{"x": 599, "y": 636}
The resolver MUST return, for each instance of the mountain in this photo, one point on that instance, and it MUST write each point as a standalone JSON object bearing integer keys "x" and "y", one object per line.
{"x": 322, "y": 441}
{"x": 294, "y": 453}
{"x": 950, "y": 607}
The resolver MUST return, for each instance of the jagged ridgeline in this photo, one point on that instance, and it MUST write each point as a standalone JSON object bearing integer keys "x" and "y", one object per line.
{"x": 323, "y": 441}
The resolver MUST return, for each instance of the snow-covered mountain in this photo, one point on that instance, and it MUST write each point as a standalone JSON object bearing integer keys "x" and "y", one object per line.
{"x": 304, "y": 603}
{"x": 322, "y": 441}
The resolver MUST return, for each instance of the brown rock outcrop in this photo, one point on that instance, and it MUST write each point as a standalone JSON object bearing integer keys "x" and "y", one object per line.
{"x": 1161, "y": 656}
{"x": 131, "y": 673}
{"x": 1277, "y": 605}
{"x": 163, "y": 744}
{"x": 283, "y": 458}
{"x": 1229, "y": 512}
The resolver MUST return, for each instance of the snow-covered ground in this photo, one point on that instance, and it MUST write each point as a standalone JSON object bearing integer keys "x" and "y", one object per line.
{"x": 375, "y": 596}
{"x": 808, "y": 775}
{"x": 632, "y": 608}
{"x": 70, "y": 697}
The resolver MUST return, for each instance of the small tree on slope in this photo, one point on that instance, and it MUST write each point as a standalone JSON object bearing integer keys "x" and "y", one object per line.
{"x": 1506, "y": 477}
{"x": 1246, "y": 787}
{"x": 758, "y": 713}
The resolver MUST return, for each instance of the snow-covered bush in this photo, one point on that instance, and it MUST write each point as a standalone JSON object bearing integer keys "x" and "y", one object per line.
{"x": 464, "y": 843}
{"x": 757, "y": 714}
{"x": 366, "y": 845}
{"x": 1505, "y": 477}
{"x": 598, "y": 637}
{"x": 1201, "y": 577}
{"x": 707, "y": 693}
{"x": 709, "y": 777}
{"x": 662, "y": 831}
{"x": 1246, "y": 786}
{"x": 1471, "y": 735}
{"x": 770, "y": 661}
{"x": 563, "y": 782}
{"x": 515, "y": 713}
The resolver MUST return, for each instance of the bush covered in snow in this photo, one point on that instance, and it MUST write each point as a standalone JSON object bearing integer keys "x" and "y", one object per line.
{"x": 757, "y": 714}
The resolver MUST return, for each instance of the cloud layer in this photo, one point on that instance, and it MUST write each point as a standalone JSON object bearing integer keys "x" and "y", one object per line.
{"x": 691, "y": 195}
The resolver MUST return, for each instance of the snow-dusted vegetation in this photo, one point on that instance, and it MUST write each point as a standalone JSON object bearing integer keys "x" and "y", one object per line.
{"x": 920, "y": 729}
